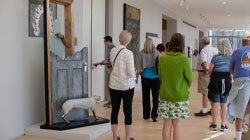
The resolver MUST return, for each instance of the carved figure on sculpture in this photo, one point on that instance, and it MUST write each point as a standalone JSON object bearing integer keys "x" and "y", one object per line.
{"x": 83, "y": 103}
{"x": 36, "y": 18}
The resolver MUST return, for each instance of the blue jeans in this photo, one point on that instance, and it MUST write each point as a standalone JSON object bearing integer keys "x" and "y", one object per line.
{"x": 218, "y": 98}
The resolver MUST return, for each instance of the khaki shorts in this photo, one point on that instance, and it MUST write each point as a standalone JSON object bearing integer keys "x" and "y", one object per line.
{"x": 107, "y": 93}
{"x": 203, "y": 81}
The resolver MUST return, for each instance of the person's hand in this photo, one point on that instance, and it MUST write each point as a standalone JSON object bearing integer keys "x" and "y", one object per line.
{"x": 59, "y": 35}
{"x": 96, "y": 64}
{"x": 135, "y": 70}
{"x": 205, "y": 73}
{"x": 104, "y": 62}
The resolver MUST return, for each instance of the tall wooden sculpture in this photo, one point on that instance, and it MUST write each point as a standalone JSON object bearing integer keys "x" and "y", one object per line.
{"x": 66, "y": 72}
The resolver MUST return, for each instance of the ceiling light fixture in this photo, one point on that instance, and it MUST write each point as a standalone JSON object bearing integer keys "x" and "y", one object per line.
{"x": 229, "y": 15}
{"x": 187, "y": 7}
{"x": 224, "y": 3}
{"x": 182, "y": 2}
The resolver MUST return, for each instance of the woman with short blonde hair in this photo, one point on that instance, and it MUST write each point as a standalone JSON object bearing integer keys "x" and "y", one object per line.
{"x": 125, "y": 38}
{"x": 122, "y": 83}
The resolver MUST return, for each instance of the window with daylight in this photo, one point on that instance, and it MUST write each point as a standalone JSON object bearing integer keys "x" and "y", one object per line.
{"x": 235, "y": 37}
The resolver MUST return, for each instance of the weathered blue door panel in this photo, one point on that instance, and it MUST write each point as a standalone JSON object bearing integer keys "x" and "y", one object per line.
{"x": 69, "y": 81}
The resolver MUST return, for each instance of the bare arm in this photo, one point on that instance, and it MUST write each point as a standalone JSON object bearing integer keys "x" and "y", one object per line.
{"x": 64, "y": 41}
{"x": 232, "y": 64}
{"x": 232, "y": 72}
{"x": 130, "y": 66}
{"x": 210, "y": 70}
{"x": 204, "y": 67}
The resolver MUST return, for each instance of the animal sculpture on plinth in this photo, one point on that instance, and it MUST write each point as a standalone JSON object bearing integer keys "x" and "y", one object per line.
{"x": 83, "y": 103}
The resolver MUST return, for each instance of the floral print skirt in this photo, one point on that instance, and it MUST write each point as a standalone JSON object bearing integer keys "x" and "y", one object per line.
{"x": 173, "y": 110}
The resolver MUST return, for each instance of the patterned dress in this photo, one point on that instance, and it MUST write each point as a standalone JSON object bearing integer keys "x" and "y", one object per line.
{"x": 174, "y": 110}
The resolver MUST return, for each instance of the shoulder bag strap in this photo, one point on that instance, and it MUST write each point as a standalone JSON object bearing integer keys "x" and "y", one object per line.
{"x": 116, "y": 57}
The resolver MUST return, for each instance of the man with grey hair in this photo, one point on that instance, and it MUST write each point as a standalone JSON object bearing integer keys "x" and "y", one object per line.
{"x": 205, "y": 58}
{"x": 239, "y": 95}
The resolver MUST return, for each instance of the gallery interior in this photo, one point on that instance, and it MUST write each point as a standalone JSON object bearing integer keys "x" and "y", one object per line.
{"x": 50, "y": 71}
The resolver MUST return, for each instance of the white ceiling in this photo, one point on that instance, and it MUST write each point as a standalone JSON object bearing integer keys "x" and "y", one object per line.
{"x": 213, "y": 12}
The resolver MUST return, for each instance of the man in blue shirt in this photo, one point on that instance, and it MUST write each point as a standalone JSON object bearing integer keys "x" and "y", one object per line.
{"x": 239, "y": 67}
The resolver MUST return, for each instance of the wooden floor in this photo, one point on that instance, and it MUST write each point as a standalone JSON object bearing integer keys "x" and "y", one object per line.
{"x": 194, "y": 128}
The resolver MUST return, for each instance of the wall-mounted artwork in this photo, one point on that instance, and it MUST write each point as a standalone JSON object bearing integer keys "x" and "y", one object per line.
{"x": 131, "y": 23}
{"x": 36, "y": 18}
{"x": 154, "y": 37}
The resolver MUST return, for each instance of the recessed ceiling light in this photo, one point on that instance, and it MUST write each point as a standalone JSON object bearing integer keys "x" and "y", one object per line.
{"x": 224, "y": 3}
{"x": 229, "y": 15}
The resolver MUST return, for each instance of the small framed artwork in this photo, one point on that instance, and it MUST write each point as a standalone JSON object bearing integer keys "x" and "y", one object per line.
{"x": 36, "y": 17}
{"x": 154, "y": 37}
{"x": 149, "y": 35}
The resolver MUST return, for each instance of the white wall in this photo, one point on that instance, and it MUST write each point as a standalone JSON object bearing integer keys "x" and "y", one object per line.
{"x": 22, "y": 73}
{"x": 151, "y": 21}
{"x": 98, "y": 48}
{"x": 22, "y": 77}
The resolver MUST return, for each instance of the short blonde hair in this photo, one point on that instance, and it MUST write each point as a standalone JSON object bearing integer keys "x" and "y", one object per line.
{"x": 125, "y": 37}
{"x": 149, "y": 46}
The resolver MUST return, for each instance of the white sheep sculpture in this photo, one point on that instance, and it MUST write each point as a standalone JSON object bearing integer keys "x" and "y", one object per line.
{"x": 82, "y": 103}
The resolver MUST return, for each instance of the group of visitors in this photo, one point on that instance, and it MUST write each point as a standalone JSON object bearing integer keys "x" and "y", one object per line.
{"x": 166, "y": 73}
{"x": 215, "y": 83}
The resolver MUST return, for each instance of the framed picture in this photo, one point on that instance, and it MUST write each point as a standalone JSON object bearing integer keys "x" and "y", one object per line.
{"x": 150, "y": 35}
{"x": 154, "y": 37}
{"x": 131, "y": 23}
{"x": 36, "y": 18}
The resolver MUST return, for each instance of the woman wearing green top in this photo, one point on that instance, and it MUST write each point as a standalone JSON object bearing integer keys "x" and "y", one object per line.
{"x": 176, "y": 78}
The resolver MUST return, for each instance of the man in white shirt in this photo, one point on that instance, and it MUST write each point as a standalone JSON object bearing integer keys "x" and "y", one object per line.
{"x": 206, "y": 56}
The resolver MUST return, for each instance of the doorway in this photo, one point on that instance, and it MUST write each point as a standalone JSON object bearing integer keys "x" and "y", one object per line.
{"x": 164, "y": 31}
{"x": 169, "y": 27}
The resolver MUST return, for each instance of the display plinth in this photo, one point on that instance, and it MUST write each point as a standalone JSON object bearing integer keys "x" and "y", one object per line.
{"x": 75, "y": 124}
{"x": 83, "y": 133}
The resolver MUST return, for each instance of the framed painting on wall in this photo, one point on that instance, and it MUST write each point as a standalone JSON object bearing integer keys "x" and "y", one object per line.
{"x": 131, "y": 23}
{"x": 36, "y": 18}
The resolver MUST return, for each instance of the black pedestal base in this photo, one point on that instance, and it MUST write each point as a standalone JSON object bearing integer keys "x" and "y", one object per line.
{"x": 75, "y": 124}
